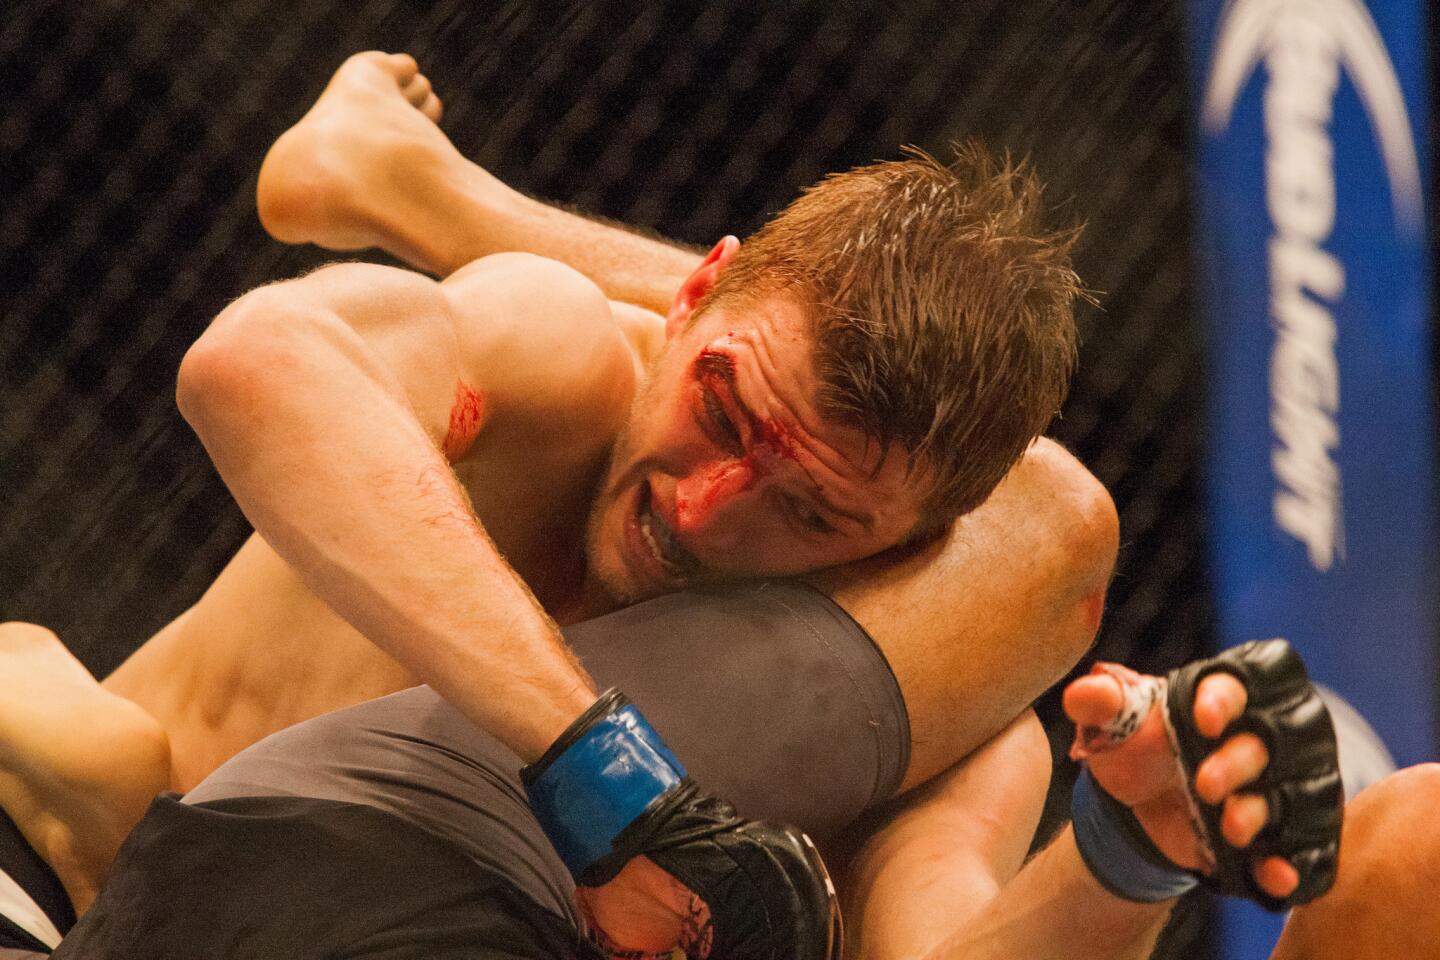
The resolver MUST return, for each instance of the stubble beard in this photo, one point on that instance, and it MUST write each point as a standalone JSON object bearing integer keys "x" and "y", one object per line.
{"x": 597, "y": 577}
{"x": 614, "y": 584}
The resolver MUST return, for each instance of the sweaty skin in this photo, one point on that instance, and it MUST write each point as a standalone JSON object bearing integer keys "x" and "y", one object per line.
{"x": 1035, "y": 560}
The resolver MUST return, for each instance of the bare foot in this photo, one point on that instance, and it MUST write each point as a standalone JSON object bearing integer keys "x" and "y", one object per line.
{"x": 78, "y": 765}
{"x": 341, "y": 175}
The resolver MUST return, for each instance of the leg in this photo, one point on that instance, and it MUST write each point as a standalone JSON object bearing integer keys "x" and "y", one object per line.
{"x": 979, "y": 624}
{"x": 78, "y": 765}
{"x": 368, "y": 167}
{"x": 1383, "y": 901}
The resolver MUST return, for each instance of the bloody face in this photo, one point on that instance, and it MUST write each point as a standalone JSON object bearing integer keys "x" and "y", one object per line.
{"x": 726, "y": 469}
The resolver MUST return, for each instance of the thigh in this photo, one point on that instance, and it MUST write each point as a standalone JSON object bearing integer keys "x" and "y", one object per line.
{"x": 979, "y": 623}
{"x": 1383, "y": 903}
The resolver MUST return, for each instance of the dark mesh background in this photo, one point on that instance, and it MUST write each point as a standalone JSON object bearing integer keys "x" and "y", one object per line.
{"x": 132, "y": 134}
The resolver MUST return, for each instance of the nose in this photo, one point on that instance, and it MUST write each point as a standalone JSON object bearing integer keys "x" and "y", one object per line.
{"x": 709, "y": 500}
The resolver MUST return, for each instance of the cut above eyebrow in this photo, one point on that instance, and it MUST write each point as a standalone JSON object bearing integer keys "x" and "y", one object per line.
{"x": 722, "y": 365}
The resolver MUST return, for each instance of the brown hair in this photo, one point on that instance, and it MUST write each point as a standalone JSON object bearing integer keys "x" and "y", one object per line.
{"x": 941, "y": 309}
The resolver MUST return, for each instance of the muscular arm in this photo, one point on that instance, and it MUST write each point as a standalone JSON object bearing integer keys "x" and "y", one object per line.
{"x": 323, "y": 403}
{"x": 944, "y": 879}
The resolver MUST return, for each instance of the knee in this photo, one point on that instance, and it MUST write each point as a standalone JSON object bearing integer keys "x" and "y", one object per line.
{"x": 1403, "y": 799}
{"x": 1386, "y": 844}
{"x": 1083, "y": 523}
{"x": 1382, "y": 903}
{"x": 1081, "y": 510}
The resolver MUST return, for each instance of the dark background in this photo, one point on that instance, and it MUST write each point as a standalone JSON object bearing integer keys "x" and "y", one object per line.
{"x": 131, "y": 135}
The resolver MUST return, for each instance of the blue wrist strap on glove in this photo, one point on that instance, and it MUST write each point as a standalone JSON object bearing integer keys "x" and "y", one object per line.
{"x": 1117, "y": 851}
{"x": 597, "y": 779}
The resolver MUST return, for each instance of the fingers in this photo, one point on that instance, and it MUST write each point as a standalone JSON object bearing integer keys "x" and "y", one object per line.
{"x": 1239, "y": 761}
{"x": 1093, "y": 701}
{"x": 1244, "y": 817}
{"x": 432, "y": 108}
{"x": 1219, "y": 700}
{"x": 1276, "y": 876}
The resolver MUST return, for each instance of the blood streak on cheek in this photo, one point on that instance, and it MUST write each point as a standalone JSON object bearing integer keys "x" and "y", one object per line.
{"x": 772, "y": 443}
{"x": 720, "y": 482}
{"x": 467, "y": 416}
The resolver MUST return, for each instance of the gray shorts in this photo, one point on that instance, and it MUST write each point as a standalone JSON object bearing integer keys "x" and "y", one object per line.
{"x": 771, "y": 695}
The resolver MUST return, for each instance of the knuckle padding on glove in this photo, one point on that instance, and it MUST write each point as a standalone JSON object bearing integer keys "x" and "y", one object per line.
{"x": 1301, "y": 781}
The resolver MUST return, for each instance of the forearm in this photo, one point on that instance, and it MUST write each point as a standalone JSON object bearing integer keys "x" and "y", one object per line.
{"x": 463, "y": 213}
{"x": 329, "y": 462}
{"x": 1054, "y": 908}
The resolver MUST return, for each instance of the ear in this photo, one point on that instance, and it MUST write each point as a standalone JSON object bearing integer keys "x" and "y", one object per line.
{"x": 693, "y": 290}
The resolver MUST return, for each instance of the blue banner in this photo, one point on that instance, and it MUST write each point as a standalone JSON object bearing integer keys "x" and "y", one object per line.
{"x": 1313, "y": 254}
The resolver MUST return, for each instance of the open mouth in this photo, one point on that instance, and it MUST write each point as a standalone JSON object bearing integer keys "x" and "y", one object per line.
{"x": 664, "y": 546}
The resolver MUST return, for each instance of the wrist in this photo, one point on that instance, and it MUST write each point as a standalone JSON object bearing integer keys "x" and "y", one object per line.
{"x": 1117, "y": 851}
{"x": 592, "y": 786}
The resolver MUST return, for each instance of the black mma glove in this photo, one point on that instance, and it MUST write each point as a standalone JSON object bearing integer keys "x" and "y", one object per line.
{"x": 1301, "y": 784}
{"x": 609, "y": 790}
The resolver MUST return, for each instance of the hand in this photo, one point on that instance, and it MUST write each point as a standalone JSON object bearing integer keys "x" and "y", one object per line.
{"x": 1140, "y": 767}
{"x": 645, "y": 910}
{"x": 658, "y": 863}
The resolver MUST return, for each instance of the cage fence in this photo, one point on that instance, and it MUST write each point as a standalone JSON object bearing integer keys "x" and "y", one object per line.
{"x": 132, "y": 135}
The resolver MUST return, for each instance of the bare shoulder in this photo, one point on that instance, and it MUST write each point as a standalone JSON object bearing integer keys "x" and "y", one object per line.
{"x": 543, "y": 339}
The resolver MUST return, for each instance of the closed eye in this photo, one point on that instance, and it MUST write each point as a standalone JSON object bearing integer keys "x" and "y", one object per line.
{"x": 808, "y": 516}
{"x": 723, "y": 429}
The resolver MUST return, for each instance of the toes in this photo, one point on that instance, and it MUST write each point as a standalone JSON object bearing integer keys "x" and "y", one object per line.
{"x": 1276, "y": 876}
{"x": 416, "y": 89}
{"x": 402, "y": 66}
{"x": 1094, "y": 700}
{"x": 1244, "y": 816}
{"x": 1219, "y": 699}
{"x": 1239, "y": 760}
{"x": 432, "y": 108}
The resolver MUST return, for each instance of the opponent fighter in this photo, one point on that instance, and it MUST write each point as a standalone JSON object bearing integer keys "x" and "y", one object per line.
{"x": 323, "y": 402}
{"x": 397, "y": 828}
